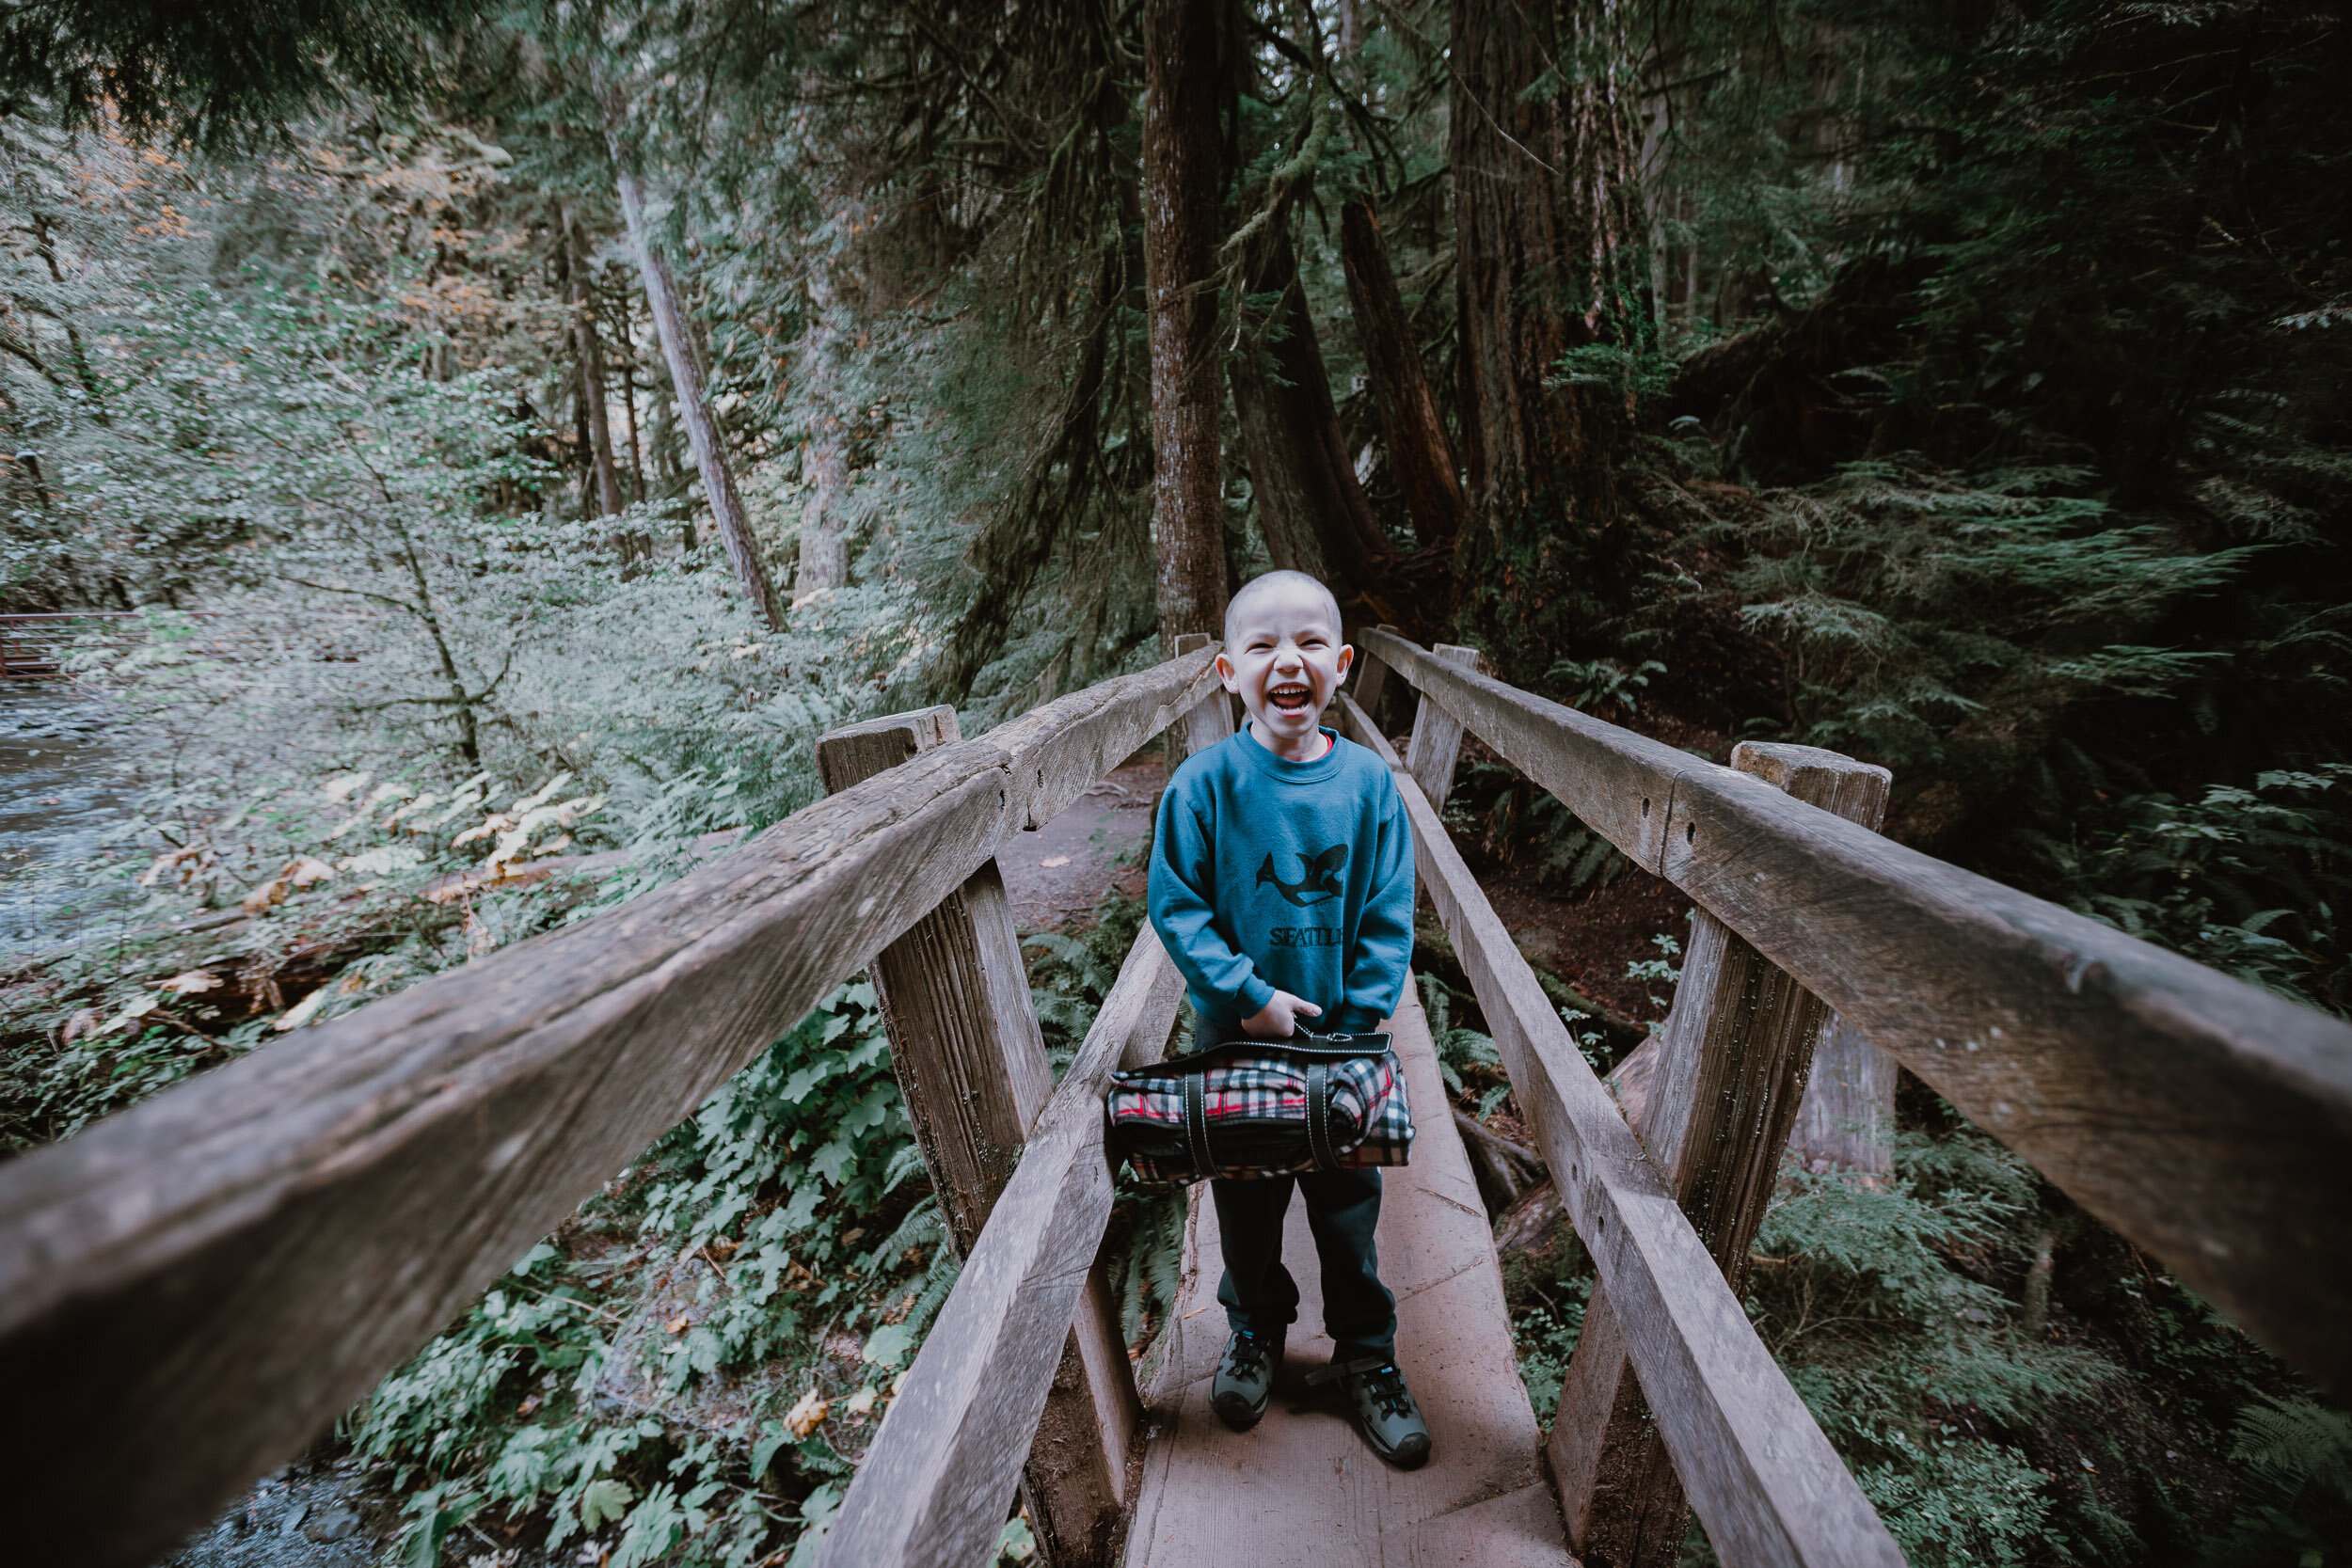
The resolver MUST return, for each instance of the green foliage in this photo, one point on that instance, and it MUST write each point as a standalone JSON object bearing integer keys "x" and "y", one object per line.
{"x": 1466, "y": 1059}
{"x": 1528, "y": 830}
{"x": 1599, "y": 686}
{"x": 1659, "y": 971}
{"x": 774, "y": 1173}
{"x": 2297, "y": 1455}
{"x": 220, "y": 75}
{"x": 2247, "y": 880}
{"x": 1913, "y": 604}
{"x": 1906, "y": 1361}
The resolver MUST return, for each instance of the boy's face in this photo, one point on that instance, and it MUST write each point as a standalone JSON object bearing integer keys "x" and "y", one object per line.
{"x": 1286, "y": 661}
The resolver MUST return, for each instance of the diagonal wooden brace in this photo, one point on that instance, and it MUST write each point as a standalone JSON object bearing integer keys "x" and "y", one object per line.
{"x": 970, "y": 1065}
{"x": 1732, "y": 1070}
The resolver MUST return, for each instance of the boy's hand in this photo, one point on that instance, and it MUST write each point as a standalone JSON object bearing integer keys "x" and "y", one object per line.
{"x": 1278, "y": 1018}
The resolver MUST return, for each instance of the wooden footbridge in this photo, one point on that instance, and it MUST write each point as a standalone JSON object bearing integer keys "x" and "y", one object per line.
{"x": 192, "y": 1290}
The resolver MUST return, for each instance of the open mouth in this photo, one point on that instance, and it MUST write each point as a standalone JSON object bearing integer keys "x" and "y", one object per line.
{"x": 1293, "y": 698}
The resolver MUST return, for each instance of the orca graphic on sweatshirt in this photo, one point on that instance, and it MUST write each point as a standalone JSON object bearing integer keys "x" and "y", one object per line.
{"x": 1319, "y": 881}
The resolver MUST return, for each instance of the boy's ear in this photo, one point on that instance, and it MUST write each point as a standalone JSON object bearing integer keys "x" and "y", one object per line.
{"x": 1347, "y": 658}
{"x": 1226, "y": 673}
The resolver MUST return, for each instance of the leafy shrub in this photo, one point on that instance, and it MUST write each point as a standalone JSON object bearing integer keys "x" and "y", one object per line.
{"x": 1913, "y": 1368}
{"x": 2298, "y": 1504}
{"x": 1527, "y": 828}
{"x": 2247, "y": 880}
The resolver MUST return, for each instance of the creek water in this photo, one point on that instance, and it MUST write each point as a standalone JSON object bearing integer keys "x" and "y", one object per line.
{"x": 61, "y": 790}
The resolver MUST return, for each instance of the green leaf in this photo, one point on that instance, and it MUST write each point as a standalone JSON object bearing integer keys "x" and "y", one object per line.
{"x": 890, "y": 1346}
{"x": 772, "y": 1435}
{"x": 606, "y": 1500}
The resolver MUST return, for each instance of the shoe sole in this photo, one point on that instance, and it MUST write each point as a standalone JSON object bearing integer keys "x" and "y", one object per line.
{"x": 1234, "y": 1414}
{"x": 1411, "y": 1454}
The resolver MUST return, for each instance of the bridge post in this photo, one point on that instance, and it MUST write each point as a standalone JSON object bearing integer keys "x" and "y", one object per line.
{"x": 1372, "y": 679}
{"x": 970, "y": 1065}
{"x": 1212, "y": 720}
{"x": 1732, "y": 1070}
{"x": 1436, "y": 741}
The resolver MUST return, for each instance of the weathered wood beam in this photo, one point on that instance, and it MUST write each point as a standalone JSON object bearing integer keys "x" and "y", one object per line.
{"x": 1732, "y": 1069}
{"x": 964, "y": 1041}
{"x": 192, "y": 1290}
{"x": 1846, "y": 1121}
{"x": 1764, "y": 1481}
{"x": 1212, "y": 718}
{"x": 971, "y": 1065}
{"x": 2196, "y": 1114}
{"x": 1436, "y": 740}
{"x": 934, "y": 1487}
{"x": 1371, "y": 680}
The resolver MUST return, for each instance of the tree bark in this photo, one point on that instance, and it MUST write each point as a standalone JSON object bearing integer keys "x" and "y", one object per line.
{"x": 1420, "y": 453}
{"x": 1314, "y": 508}
{"x": 686, "y": 378}
{"x": 824, "y": 546}
{"x": 1183, "y": 80}
{"x": 1540, "y": 180}
{"x": 591, "y": 366}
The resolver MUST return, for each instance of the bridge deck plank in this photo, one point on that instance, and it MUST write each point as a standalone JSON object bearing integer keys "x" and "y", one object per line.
{"x": 1301, "y": 1487}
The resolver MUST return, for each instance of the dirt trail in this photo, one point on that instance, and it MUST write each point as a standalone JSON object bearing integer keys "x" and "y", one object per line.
{"x": 1060, "y": 872}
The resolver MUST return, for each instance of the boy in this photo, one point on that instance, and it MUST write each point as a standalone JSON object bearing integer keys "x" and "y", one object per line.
{"x": 1282, "y": 886}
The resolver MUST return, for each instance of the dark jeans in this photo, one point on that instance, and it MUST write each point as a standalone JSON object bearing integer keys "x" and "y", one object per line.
{"x": 1342, "y": 1207}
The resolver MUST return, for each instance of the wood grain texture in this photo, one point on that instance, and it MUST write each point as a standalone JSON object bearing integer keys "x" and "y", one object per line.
{"x": 1846, "y": 1121}
{"x": 1371, "y": 680}
{"x": 1765, "y": 1482}
{"x": 2194, "y": 1112}
{"x": 194, "y": 1288}
{"x": 1301, "y": 1489}
{"x": 1732, "y": 1067}
{"x": 1739, "y": 1043}
{"x": 964, "y": 1041}
{"x": 934, "y": 1486}
{"x": 1436, "y": 741}
{"x": 971, "y": 1067}
{"x": 1211, "y": 720}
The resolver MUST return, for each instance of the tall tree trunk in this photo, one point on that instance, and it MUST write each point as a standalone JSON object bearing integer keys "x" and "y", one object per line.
{"x": 1420, "y": 453}
{"x": 686, "y": 378}
{"x": 1541, "y": 179}
{"x": 1184, "y": 79}
{"x": 824, "y": 546}
{"x": 73, "y": 335}
{"x": 1314, "y": 508}
{"x": 591, "y": 365}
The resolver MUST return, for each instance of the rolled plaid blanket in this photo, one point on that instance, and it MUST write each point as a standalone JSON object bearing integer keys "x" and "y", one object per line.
{"x": 1256, "y": 1108}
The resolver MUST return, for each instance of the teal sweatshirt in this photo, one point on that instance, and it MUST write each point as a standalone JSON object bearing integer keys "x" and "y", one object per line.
{"x": 1296, "y": 875}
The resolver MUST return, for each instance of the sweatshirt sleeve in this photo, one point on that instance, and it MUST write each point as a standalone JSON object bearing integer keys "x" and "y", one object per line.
{"x": 1182, "y": 883}
{"x": 1383, "y": 949}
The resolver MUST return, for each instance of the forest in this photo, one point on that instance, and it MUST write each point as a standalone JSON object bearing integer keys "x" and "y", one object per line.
{"x": 519, "y": 431}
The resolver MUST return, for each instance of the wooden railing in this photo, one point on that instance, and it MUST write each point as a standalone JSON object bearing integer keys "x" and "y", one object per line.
{"x": 2206, "y": 1119}
{"x": 191, "y": 1291}
{"x": 2209, "y": 1122}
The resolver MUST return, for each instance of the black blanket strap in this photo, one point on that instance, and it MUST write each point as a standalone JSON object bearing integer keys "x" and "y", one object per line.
{"x": 1196, "y": 1122}
{"x": 1319, "y": 1116}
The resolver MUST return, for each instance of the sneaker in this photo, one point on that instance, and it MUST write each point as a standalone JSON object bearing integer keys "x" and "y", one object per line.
{"x": 1245, "y": 1377}
{"x": 1385, "y": 1410}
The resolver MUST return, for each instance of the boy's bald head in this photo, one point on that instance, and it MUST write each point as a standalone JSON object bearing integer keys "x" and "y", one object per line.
{"x": 1286, "y": 583}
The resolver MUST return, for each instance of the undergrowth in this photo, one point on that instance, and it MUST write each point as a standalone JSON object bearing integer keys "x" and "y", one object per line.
{"x": 688, "y": 1371}
{"x": 2154, "y": 1431}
